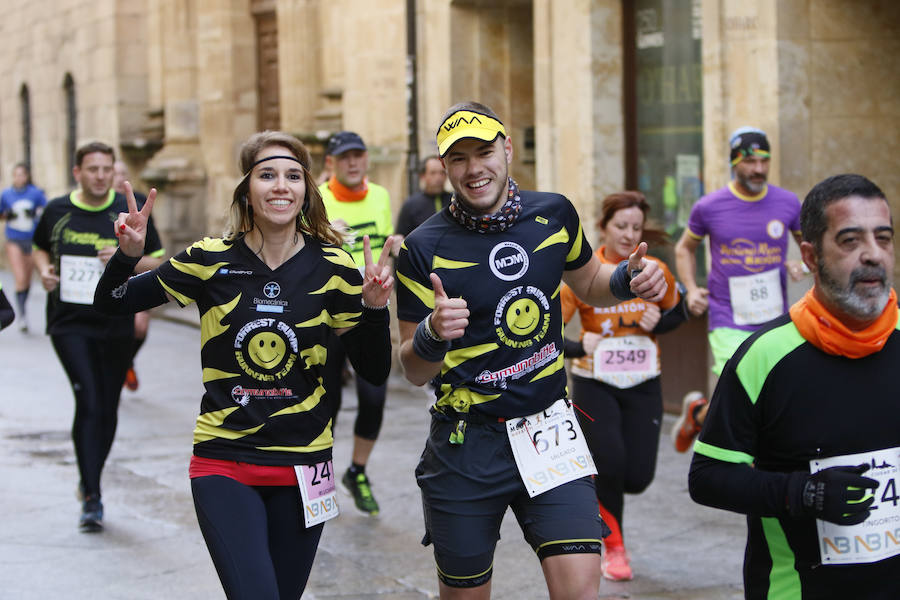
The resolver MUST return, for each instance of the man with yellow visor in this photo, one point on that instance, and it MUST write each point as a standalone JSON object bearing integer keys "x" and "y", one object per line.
{"x": 480, "y": 319}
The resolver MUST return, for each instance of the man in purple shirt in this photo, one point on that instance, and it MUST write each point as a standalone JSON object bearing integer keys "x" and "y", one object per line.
{"x": 748, "y": 223}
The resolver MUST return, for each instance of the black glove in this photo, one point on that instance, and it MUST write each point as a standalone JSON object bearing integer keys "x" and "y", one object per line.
{"x": 837, "y": 494}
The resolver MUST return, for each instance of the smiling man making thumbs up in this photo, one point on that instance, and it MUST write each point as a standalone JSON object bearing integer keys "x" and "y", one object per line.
{"x": 480, "y": 319}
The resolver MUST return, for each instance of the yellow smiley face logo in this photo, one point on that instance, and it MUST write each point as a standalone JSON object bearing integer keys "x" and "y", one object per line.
{"x": 522, "y": 316}
{"x": 266, "y": 349}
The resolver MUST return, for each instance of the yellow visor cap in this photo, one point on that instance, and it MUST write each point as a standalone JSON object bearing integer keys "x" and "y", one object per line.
{"x": 467, "y": 124}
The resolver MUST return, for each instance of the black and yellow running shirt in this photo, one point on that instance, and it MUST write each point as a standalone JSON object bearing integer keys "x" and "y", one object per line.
{"x": 72, "y": 233}
{"x": 263, "y": 338}
{"x": 780, "y": 403}
{"x": 509, "y": 363}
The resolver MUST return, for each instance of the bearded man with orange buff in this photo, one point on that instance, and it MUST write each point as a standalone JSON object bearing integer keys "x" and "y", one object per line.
{"x": 801, "y": 433}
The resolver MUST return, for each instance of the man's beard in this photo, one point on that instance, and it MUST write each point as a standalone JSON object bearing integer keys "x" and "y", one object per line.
{"x": 752, "y": 186}
{"x": 863, "y": 305}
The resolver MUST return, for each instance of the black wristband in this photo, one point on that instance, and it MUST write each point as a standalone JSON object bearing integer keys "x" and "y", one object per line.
{"x": 426, "y": 347}
{"x": 620, "y": 282}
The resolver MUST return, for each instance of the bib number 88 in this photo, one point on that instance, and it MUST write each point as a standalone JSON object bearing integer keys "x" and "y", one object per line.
{"x": 757, "y": 294}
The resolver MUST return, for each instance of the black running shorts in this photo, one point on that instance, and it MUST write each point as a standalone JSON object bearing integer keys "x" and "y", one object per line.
{"x": 466, "y": 489}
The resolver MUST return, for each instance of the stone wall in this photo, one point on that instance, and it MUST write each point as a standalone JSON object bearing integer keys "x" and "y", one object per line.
{"x": 176, "y": 80}
{"x": 578, "y": 88}
{"x": 821, "y": 77}
{"x": 40, "y": 47}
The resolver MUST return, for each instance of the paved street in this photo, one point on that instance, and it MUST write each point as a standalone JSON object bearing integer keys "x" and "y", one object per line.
{"x": 151, "y": 547}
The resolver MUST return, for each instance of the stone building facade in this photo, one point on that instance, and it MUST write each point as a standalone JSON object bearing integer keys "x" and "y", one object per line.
{"x": 598, "y": 95}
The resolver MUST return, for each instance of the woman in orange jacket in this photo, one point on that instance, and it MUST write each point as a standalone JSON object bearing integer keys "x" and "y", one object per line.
{"x": 615, "y": 374}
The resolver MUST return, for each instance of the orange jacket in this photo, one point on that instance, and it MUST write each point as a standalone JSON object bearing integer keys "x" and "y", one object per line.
{"x": 613, "y": 321}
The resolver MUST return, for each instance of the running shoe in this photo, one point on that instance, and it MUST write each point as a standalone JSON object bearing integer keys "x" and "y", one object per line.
{"x": 359, "y": 487}
{"x": 615, "y": 564}
{"x": 686, "y": 427}
{"x": 131, "y": 380}
{"x": 91, "y": 520}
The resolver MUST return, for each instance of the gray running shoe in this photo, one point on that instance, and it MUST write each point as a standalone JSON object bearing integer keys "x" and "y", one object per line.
{"x": 91, "y": 520}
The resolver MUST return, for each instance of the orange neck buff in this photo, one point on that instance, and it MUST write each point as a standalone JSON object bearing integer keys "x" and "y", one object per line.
{"x": 821, "y": 329}
{"x": 344, "y": 194}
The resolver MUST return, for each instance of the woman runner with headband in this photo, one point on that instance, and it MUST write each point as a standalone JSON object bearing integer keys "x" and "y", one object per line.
{"x": 268, "y": 293}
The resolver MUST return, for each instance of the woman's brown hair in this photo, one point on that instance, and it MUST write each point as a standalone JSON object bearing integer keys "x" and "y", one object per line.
{"x": 652, "y": 234}
{"x": 312, "y": 220}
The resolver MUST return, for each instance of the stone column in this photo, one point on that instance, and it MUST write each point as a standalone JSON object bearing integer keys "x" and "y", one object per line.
{"x": 373, "y": 43}
{"x": 578, "y": 101}
{"x": 177, "y": 170}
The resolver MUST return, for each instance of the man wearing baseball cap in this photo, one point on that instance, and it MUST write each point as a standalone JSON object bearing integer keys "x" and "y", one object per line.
{"x": 749, "y": 223}
{"x": 364, "y": 208}
{"x": 480, "y": 319}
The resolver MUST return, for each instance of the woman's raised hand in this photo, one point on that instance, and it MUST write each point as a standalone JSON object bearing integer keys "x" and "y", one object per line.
{"x": 378, "y": 280}
{"x": 131, "y": 227}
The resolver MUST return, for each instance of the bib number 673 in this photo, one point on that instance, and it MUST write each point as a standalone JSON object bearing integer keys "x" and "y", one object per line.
{"x": 544, "y": 438}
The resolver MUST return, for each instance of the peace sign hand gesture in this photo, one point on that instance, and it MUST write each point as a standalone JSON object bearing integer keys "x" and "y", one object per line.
{"x": 378, "y": 281}
{"x": 131, "y": 227}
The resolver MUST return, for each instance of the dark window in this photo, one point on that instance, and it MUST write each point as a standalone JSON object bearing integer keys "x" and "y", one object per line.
{"x": 71, "y": 124}
{"x": 664, "y": 107}
{"x": 25, "y": 100}
{"x": 269, "y": 108}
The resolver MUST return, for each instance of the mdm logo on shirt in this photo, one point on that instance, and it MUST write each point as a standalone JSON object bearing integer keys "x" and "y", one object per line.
{"x": 508, "y": 261}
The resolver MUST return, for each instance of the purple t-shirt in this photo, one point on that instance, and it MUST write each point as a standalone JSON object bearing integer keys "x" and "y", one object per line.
{"x": 748, "y": 246}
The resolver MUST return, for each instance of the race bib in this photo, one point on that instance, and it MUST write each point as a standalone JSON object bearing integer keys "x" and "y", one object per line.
{"x": 549, "y": 448}
{"x": 756, "y": 298}
{"x": 78, "y": 278}
{"x": 318, "y": 491}
{"x": 626, "y": 361}
{"x": 878, "y": 537}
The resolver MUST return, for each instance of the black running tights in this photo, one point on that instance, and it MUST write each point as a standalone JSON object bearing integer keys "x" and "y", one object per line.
{"x": 256, "y": 537}
{"x": 621, "y": 427}
{"x": 96, "y": 369}
{"x": 370, "y": 397}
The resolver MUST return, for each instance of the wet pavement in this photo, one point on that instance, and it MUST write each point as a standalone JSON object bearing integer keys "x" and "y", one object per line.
{"x": 152, "y": 548}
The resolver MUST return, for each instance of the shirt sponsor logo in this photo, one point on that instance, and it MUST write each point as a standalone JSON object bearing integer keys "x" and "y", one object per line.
{"x": 272, "y": 289}
{"x": 775, "y": 229}
{"x": 225, "y": 271}
{"x": 545, "y": 355}
{"x": 242, "y": 395}
{"x": 266, "y": 349}
{"x": 754, "y": 258}
{"x": 508, "y": 261}
{"x": 522, "y": 317}
{"x": 87, "y": 238}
